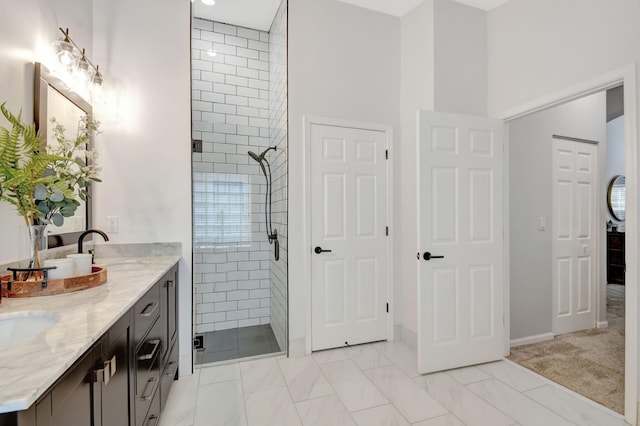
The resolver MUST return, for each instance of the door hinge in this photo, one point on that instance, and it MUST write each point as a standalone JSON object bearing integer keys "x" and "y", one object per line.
{"x": 386, "y": 232}
{"x": 387, "y": 308}
{"x": 386, "y": 154}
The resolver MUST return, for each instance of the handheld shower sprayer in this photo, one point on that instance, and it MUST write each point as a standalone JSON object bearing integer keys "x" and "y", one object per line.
{"x": 260, "y": 157}
{"x": 271, "y": 234}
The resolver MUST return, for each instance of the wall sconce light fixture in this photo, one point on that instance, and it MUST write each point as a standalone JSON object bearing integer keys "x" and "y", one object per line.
{"x": 74, "y": 62}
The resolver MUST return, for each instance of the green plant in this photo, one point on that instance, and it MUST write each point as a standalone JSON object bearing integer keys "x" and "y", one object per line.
{"x": 44, "y": 183}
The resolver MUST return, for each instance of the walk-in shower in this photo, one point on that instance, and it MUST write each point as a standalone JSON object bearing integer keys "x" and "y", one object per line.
{"x": 239, "y": 106}
{"x": 268, "y": 207}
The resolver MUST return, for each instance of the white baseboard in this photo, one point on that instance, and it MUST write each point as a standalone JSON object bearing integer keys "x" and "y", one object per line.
{"x": 531, "y": 339}
{"x": 297, "y": 347}
{"x": 602, "y": 324}
{"x": 406, "y": 336}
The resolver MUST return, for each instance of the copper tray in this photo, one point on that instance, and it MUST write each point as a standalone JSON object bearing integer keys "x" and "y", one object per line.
{"x": 98, "y": 276}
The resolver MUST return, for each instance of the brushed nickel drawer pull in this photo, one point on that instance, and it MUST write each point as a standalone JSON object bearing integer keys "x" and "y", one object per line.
{"x": 151, "y": 418}
{"x": 152, "y": 354}
{"x": 171, "y": 370}
{"x": 145, "y": 396}
{"x": 149, "y": 309}
{"x": 113, "y": 364}
{"x": 101, "y": 375}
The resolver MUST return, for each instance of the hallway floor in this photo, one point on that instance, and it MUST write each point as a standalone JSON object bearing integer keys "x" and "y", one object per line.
{"x": 590, "y": 362}
{"x": 373, "y": 384}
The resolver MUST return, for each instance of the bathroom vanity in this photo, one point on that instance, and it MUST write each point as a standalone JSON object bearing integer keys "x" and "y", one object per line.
{"x": 109, "y": 358}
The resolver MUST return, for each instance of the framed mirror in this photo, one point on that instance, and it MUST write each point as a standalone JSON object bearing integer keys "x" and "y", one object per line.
{"x": 52, "y": 98}
{"x": 616, "y": 197}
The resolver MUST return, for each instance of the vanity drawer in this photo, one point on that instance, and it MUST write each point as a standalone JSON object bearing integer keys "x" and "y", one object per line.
{"x": 146, "y": 312}
{"x": 168, "y": 375}
{"x": 147, "y": 375}
{"x": 153, "y": 415}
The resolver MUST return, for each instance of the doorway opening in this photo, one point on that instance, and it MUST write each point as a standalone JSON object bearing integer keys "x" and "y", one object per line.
{"x": 588, "y": 358}
{"x": 239, "y": 107}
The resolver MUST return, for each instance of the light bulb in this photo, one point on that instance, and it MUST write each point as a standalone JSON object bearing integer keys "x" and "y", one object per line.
{"x": 96, "y": 94}
{"x": 66, "y": 54}
{"x": 96, "y": 87}
{"x": 211, "y": 52}
{"x": 83, "y": 74}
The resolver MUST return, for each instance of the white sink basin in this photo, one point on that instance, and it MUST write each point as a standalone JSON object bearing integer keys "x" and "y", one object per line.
{"x": 15, "y": 328}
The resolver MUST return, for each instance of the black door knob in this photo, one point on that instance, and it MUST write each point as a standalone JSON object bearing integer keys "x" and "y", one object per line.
{"x": 427, "y": 256}
{"x": 319, "y": 250}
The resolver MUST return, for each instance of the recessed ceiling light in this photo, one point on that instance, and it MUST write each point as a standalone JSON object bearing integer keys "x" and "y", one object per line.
{"x": 208, "y": 2}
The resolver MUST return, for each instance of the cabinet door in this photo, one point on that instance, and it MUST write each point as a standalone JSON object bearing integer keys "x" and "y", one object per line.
{"x": 115, "y": 390}
{"x": 70, "y": 400}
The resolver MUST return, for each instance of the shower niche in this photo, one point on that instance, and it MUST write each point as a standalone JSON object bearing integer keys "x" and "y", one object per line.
{"x": 239, "y": 112}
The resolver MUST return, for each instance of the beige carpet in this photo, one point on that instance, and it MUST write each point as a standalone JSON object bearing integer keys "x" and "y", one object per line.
{"x": 589, "y": 362}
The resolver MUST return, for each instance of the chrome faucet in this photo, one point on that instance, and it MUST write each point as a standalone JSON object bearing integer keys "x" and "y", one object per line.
{"x": 87, "y": 232}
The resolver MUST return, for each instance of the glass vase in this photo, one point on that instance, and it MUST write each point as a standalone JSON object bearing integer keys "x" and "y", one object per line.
{"x": 34, "y": 246}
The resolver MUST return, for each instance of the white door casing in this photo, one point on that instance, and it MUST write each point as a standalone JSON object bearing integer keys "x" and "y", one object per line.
{"x": 574, "y": 235}
{"x": 626, "y": 75}
{"x": 460, "y": 217}
{"x": 349, "y": 217}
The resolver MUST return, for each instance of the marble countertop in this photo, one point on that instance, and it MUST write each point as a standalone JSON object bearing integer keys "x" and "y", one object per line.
{"x": 29, "y": 368}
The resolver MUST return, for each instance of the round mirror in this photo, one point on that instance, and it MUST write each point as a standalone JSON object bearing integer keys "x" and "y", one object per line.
{"x": 616, "y": 197}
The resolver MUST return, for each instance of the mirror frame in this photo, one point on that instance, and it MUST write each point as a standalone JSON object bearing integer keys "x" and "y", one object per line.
{"x": 44, "y": 79}
{"x": 612, "y": 182}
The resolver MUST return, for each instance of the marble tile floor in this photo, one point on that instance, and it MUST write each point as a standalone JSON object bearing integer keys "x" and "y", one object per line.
{"x": 236, "y": 343}
{"x": 370, "y": 385}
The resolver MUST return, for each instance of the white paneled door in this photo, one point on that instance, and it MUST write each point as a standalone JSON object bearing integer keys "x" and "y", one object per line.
{"x": 460, "y": 225}
{"x": 574, "y": 235}
{"x": 349, "y": 247}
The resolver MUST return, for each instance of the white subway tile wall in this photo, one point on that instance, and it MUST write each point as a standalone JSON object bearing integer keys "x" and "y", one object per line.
{"x": 230, "y": 111}
{"x": 278, "y": 127}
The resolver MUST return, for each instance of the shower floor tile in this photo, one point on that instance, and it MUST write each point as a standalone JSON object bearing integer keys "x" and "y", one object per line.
{"x": 235, "y": 343}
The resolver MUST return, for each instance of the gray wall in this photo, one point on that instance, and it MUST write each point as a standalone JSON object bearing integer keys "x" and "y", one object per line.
{"x": 530, "y": 180}
{"x": 344, "y": 62}
{"x": 460, "y": 58}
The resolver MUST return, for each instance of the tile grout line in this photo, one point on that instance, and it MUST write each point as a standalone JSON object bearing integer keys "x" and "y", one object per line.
{"x": 295, "y": 407}
{"x": 331, "y": 385}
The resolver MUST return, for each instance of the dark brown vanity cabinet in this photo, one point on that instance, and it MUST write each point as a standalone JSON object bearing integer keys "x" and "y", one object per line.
{"x": 70, "y": 400}
{"x": 125, "y": 377}
{"x": 156, "y": 348}
{"x": 169, "y": 310}
{"x": 615, "y": 258}
{"x": 93, "y": 391}
{"x": 111, "y": 376}
{"x": 148, "y": 354}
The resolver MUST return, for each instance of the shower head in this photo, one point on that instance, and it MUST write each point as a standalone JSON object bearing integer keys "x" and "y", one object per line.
{"x": 255, "y": 156}
{"x": 260, "y": 157}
